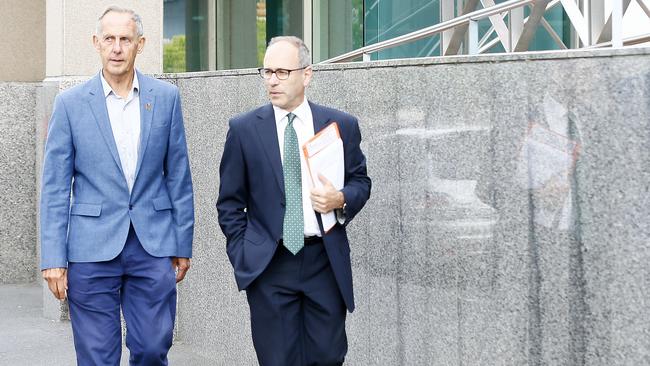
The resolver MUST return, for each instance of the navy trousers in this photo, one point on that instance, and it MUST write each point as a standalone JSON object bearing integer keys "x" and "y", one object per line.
{"x": 297, "y": 312}
{"x": 143, "y": 286}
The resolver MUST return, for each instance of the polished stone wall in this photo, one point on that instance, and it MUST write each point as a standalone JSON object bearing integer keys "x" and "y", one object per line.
{"x": 17, "y": 182}
{"x": 508, "y": 222}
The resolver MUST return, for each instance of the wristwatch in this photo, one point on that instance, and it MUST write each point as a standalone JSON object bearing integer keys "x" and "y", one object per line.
{"x": 342, "y": 214}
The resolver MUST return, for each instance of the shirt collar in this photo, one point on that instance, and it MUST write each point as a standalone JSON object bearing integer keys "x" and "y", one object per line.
{"x": 302, "y": 112}
{"x": 107, "y": 88}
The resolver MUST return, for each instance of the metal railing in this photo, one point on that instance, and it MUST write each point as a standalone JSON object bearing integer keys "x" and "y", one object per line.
{"x": 518, "y": 34}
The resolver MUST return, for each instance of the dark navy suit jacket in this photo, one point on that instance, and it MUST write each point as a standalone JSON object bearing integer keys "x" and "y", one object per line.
{"x": 251, "y": 201}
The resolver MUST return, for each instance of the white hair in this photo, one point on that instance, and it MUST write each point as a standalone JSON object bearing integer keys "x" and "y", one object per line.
{"x": 113, "y": 8}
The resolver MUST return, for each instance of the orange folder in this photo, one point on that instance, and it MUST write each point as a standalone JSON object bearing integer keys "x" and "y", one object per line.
{"x": 324, "y": 155}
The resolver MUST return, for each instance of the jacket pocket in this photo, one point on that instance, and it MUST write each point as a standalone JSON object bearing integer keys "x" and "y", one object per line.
{"x": 162, "y": 203}
{"x": 253, "y": 237}
{"x": 85, "y": 209}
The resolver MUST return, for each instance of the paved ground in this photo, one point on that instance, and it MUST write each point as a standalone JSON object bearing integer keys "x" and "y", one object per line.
{"x": 28, "y": 339}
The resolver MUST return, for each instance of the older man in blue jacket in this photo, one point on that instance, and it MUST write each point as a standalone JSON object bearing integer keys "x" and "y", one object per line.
{"x": 116, "y": 202}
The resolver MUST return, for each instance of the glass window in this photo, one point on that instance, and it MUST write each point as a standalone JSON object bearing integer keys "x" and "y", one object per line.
{"x": 337, "y": 27}
{"x": 237, "y": 33}
{"x": 187, "y": 35}
{"x": 542, "y": 39}
{"x": 174, "y": 36}
{"x": 284, "y": 18}
{"x": 197, "y": 30}
{"x": 229, "y": 34}
{"x": 386, "y": 19}
{"x": 244, "y": 28}
{"x": 559, "y": 22}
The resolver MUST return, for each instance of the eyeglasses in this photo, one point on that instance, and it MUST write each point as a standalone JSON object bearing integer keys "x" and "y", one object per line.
{"x": 281, "y": 74}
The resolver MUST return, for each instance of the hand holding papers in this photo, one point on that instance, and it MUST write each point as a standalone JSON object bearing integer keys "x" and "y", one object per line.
{"x": 324, "y": 155}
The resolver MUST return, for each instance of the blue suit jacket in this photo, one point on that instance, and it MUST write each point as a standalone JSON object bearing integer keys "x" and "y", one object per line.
{"x": 85, "y": 207}
{"x": 251, "y": 199}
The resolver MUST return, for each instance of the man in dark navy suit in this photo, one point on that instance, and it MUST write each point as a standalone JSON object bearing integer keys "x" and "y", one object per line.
{"x": 298, "y": 279}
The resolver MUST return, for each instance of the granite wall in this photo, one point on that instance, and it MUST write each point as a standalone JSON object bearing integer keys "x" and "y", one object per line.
{"x": 17, "y": 182}
{"x": 508, "y": 222}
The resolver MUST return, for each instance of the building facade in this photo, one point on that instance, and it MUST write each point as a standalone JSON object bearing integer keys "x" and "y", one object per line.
{"x": 202, "y": 35}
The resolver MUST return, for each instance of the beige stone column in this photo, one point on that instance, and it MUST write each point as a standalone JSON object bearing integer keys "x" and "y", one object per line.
{"x": 23, "y": 40}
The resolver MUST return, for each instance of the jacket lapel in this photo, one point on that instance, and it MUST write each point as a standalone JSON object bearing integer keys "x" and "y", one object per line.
{"x": 147, "y": 99}
{"x": 268, "y": 134}
{"x": 320, "y": 119}
{"x": 97, "y": 103}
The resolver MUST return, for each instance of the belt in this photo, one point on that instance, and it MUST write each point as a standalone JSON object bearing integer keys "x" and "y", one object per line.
{"x": 309, "y": 240}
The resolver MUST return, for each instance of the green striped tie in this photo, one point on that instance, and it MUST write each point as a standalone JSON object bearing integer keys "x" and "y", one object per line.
{"x": 293, "y": 227}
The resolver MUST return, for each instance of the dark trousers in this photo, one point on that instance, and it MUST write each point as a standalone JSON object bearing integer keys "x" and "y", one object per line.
{"x": 143, "y": 286}
{"x": 297, "y": 312}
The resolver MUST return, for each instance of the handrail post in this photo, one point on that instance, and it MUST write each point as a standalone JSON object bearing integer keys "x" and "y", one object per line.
{"x": 596, "y": 20}
{"x": 472, "y": 37}
{"x": 366, "y": 57}
{"x": 617, "y": 23}
{"x": 516, "y": 20}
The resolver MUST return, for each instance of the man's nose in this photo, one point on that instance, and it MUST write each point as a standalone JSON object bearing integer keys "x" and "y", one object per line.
{"x": 116, "y": 46}
{"x": 273, "y": 80}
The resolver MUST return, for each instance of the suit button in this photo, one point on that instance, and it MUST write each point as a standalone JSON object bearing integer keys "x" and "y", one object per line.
{"x": 130, "y": 207}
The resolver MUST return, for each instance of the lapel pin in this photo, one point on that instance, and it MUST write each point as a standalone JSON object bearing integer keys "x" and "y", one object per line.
{"x": 147, "y": 106}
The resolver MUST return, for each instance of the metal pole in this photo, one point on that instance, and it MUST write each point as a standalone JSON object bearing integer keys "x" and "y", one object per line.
{"x": 596, "y": 20}
{"x": 516, "y": 26}
{"x": 473, "y": 37}
{"x": 446, "y": 13}
{"x": 617, "y": 23}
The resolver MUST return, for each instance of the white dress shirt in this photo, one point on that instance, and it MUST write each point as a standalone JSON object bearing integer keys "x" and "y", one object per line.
{"x": 124, "y": 115}
{"x": 304, "y": 126}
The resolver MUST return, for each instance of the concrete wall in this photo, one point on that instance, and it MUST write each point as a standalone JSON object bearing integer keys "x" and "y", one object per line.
{"x": 23, "y": 40}
{"x": 71, "y": 25}
{"x": 508, "y": 222}
{"x": 17, "y": 182}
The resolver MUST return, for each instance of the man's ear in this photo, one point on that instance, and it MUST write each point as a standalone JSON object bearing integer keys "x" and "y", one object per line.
{"x": 96, "y": 42}
{"x": 308, "y": 73}
{"x": 141, "y": 42}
